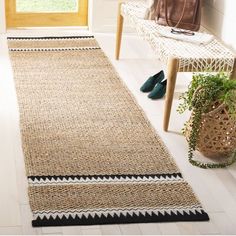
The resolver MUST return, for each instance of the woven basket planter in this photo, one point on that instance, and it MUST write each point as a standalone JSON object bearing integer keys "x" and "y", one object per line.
{"x": 217, "y": 135}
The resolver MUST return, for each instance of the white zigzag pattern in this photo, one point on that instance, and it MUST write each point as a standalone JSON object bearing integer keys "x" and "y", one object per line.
{"x": 86, "y": 180}
{"x": 117, "y": 212}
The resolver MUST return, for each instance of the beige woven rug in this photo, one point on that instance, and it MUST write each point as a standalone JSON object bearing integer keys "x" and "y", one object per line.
{"x": 91, "y": 156}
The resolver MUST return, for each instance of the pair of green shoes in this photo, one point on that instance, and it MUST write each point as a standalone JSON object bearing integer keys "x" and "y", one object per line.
{"x": 156, "y": 85}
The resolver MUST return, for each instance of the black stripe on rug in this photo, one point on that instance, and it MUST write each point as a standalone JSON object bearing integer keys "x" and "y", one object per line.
{"x": 51, "y": 37}
{"x": 121, "y": 219}
{"x": 80, "y": 177}
{"x": 52, "y": 49}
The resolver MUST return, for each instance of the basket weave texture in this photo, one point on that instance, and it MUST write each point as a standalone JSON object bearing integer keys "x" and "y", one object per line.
{"x": 217, "y": 134}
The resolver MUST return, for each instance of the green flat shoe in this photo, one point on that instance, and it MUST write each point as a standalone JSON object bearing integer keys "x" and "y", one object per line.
{"x": 152, "y": 81}
{"x": 159, "y": 90}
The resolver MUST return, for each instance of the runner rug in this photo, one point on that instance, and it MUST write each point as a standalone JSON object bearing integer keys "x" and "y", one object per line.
{"x": 91, "y": 156}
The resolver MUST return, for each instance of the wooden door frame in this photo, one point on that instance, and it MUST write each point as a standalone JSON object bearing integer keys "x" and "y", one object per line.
{"x": 2, "y": 17}
{"x": 14, "y": 19}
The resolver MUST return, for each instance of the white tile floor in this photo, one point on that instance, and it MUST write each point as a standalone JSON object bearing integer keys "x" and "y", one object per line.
{"x": 215, "y": 188}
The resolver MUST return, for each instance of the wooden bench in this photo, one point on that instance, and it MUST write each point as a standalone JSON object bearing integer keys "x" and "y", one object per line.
{"x": 179, "y": 56}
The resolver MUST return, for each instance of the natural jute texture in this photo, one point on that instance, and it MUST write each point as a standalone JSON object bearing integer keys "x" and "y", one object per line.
{"x": 91, "y": 156}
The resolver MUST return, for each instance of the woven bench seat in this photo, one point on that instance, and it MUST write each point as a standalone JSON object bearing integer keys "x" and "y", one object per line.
{"x": 180, "y": 56}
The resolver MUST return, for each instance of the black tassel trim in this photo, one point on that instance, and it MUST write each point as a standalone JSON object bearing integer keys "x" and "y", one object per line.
{"x": 52, "y": 49}
{"x": 51, "y": 37}
{"x": 127, "y": 219}
{"x": 79, "y": 177}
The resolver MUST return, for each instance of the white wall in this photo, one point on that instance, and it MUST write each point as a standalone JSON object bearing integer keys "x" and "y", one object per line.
{"x": 219, "y": 16}
{"x": 2, "y": 17}
{"x": 104, "y": 15}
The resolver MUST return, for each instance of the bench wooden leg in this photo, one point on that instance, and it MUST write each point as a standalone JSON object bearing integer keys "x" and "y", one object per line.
{"x": 233, "y": 75}
{"x": 173, "y": 64}
{"x": 119, "y": 31}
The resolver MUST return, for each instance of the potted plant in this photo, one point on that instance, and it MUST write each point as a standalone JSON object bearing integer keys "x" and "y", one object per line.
{"x": 212, "y": 126}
